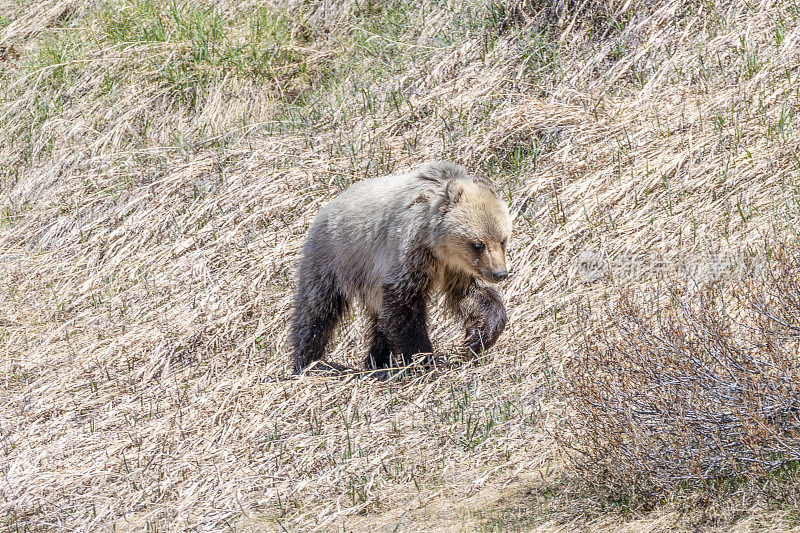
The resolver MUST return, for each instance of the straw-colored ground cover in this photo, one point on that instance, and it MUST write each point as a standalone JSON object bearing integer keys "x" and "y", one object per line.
{"x": 160, "y": 164}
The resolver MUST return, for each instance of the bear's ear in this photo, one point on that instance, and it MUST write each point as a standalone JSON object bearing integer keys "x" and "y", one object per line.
{"x": 453, "y": 192}
{"x": 483, "y": 181}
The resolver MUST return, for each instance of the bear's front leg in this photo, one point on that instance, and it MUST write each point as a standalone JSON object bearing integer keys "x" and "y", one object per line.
{"x": 485, "y": 318}
{"x": 380, "y": 354}
{"x": 403, "y": 321}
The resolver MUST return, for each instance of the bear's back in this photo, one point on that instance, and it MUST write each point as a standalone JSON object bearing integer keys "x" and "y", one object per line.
{"x": 368, "y": 231}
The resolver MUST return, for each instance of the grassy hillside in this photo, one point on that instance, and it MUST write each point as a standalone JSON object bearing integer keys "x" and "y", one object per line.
{"x": 160, "y": 165}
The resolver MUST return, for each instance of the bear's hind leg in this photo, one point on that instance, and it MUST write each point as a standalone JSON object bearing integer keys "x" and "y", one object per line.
{"x": 318, "y": 307}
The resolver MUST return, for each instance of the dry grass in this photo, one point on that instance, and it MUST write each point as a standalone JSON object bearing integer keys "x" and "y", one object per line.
{"x": 159, "y": 167}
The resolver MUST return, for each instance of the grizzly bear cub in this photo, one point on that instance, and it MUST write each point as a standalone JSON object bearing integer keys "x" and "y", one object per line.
{"x": 392, "y": 242}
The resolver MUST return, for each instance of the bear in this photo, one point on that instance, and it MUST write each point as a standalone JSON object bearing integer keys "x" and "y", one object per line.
{"x": 391, "y": 243}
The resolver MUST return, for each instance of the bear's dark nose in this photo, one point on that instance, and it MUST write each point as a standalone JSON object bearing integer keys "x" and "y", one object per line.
{"x": 500, "y": 274}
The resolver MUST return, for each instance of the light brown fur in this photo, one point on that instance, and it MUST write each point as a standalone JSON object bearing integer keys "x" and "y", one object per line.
{"x": 478, "y": 215}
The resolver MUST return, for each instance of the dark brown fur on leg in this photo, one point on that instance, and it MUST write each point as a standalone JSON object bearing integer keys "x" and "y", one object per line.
{"x": 485, "y": 318}
{"x": 405, "y": 323}
{"x": 318, "y": 307}
{"x": 379, "y": 352}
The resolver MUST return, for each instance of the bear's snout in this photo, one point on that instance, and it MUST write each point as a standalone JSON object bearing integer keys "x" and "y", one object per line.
{"x": 496, "y": 274}
{"x": 500, "y": 274}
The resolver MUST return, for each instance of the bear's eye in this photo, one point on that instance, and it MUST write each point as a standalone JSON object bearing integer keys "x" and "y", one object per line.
{"x": 503, "y": 242}
{"x": 478, "y": 246}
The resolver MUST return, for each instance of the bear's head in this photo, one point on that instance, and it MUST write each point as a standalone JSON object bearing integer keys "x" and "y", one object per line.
{"x": 474, "y": 230}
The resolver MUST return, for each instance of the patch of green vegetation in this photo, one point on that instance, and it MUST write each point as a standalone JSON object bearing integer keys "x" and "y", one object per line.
{"x": 503, "y": 520}
{"x": 788, "y": 472}
{"x": 194, "y": 46}
{"x": 517, "y": 155}
{"x": 56, "y": 56}
{"x": 11, "y": 213}
{"x": 539, "y": 55}
{"x": 140, "y": 22}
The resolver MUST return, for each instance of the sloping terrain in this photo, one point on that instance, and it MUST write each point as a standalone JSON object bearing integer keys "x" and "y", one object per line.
{"x": 160, "y": 164}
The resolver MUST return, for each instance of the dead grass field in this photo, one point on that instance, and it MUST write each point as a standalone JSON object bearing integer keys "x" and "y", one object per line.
{"x": 159, "y": 166}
